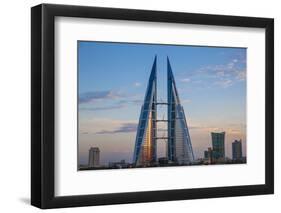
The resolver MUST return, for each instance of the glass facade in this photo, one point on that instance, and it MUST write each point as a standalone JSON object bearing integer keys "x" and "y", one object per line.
{"x": 145, "y": 145}
{"x": 218, "y": 144}
{"x": 237, "y": 150}
{"x": 179, "y": 148}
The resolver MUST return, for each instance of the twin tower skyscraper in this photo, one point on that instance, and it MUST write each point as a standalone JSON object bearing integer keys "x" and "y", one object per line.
{"x": 179, "y": 148}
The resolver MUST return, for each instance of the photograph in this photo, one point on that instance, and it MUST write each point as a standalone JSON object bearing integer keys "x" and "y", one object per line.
{"x": 142, "y": 105}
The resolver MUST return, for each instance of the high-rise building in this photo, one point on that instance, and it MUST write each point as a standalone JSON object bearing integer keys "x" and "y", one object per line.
{"x": 145, "y": 145}
{"x": 179, "y": 142}
{"x": 218, "y": 139}
{"x": 179, "y": 148}
{"x": 94, "y": 157}
{"x": 208, "y": 155}
{"x": 237, "y": 150}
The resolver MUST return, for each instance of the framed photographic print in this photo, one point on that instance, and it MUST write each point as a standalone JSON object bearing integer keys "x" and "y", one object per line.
{"x": 140, "y": 106}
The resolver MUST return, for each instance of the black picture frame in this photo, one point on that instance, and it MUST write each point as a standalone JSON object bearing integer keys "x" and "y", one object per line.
{"x": 43, "y": 102}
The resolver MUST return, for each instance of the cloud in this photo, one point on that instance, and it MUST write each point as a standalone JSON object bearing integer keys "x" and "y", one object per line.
{"x": 133, "y": 101}
{"x": 106, "y": 100}
{"x": 124, "y": 128}
{"x": 222, "y": 75}
{"x": 137, "y": 84}
{"x": 224, "y": 83}
{"x": 185, "y": 80}
{"x": 136, "y": 101}
{"x": 99, "y": 126}
{"x": 241, "y": 75}
{"x": 88, "y": 97}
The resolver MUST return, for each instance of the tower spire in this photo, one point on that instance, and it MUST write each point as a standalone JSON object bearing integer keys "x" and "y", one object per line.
{"x": 145, "y": 144}
{"x": 179, "y": 147}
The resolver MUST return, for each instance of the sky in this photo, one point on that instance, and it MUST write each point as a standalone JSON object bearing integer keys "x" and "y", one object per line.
{"x": 113, "y": 77}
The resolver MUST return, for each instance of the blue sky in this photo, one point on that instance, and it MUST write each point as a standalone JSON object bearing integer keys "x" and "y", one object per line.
{"x": 112, "y": 81}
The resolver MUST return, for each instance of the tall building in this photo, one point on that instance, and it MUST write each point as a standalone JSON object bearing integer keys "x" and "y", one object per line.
{"x": 94, "y": 157}
{"x": 145, "y": 145}
{"x": 179, "y": 148}
{"x": 208, "y": 155}
{"x": 218, "y": 139}
{"x": 179, "y": 142}
{"x": 237, "y": 150}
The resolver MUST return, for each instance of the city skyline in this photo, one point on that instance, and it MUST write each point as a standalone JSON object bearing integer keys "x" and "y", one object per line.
{"x": 211, "y": 82}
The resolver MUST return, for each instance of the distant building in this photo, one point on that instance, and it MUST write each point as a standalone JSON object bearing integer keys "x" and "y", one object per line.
{"x": 218, "y": 139}
{"x": 208, "y": 155}
{"x": 94, "y": 157}
{"x": 118, "y": 165}
{"x": 237, "y": 150}
{"x": 163, "y": 161}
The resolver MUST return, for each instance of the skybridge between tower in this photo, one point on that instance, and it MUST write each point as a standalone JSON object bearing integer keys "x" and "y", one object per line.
{"x": 179, "y": 147}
